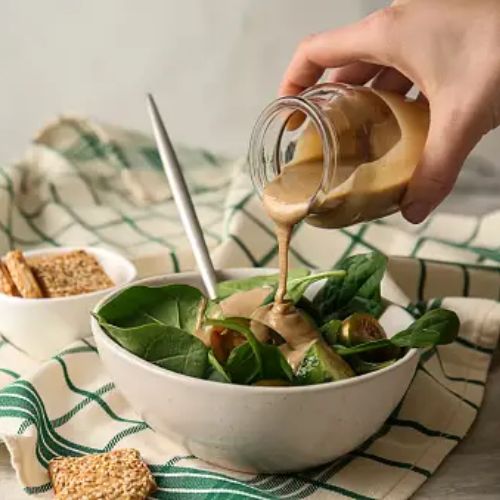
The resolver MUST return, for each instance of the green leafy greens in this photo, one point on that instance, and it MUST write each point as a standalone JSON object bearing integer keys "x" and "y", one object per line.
{"x": 218, "y": 373}
{"x": 165, "y": 325}
{"x": 253, "y": 360}
{"x": 179, "y": 352}
{"x": 171, "y": 305}
{"x": 436, "y": 327}
{"x": 157, "y": 324}
{"x": 297, "y": 286}
{"x": 229, "y": 287}
{"x": 330, "y": 331}
{"x": 358, "y": 290}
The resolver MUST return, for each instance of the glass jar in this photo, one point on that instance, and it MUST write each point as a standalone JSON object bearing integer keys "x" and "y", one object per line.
{"x": 357, "y": 146}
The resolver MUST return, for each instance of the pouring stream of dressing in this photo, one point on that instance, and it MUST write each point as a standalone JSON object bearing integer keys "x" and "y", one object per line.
{"x": 286, "y": 200}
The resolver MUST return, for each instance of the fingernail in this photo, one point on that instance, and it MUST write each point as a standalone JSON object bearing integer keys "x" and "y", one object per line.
{"x": 416, "y": 212}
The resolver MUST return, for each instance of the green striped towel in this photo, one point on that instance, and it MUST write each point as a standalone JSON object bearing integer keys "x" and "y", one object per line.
{"x": 83, "y": 183}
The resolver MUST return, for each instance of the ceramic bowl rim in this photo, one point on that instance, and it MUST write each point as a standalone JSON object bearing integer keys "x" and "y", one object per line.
{"x": 97, "y": 331}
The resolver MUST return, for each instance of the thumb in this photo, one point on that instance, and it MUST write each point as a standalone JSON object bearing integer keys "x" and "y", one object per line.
{"x": 451, "y": 137}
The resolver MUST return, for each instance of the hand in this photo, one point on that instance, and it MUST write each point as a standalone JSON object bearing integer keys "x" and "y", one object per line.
{"x": 448, "y": 49}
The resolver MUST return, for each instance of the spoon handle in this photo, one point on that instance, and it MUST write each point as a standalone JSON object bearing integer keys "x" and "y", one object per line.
{"x": 183, "y": 200}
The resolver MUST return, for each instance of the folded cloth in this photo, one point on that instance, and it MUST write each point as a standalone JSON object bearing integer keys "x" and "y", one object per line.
{"x": 83, "y": 183}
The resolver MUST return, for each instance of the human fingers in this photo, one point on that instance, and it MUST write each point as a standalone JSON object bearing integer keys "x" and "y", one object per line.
{"x": 357, "y": 73}
{"x": 451, "y": 137}
{"x": 368, "y": 40}
{"x": 392, "y": 80}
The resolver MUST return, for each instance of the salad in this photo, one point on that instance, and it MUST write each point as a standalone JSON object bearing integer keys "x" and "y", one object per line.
{"x": 244, "y": 337}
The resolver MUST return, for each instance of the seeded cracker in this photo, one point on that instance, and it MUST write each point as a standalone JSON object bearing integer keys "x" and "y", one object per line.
{"x": 7, "y": 286}
{"x": 70, "y": 273}
{"x": 119, "y": 474}
{"x": 22, "y": 276}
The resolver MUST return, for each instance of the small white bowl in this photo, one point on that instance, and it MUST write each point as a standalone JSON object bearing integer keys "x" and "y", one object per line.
{"x": 42, "y": 327}
{"x": 259, "y": 429}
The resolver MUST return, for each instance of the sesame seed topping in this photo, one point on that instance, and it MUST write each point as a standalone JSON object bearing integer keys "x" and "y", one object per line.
{"x": 119, "y": 474}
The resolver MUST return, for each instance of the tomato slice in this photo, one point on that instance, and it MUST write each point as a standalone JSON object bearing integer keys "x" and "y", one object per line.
{"x": 223, "y": 341}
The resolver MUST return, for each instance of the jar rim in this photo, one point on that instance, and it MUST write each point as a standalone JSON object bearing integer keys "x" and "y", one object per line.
{"x": 322, "y": 125}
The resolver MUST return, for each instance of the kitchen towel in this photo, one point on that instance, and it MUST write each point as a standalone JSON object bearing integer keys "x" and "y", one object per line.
{"x": 83, "y": 183}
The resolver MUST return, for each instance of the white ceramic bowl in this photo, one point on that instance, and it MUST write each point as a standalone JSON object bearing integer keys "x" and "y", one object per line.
{"x": 259, "y": 429}
{"x": 42, "y": 327}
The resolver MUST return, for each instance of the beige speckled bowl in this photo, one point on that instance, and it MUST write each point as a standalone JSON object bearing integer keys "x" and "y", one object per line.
{"x": 259, "y": 429}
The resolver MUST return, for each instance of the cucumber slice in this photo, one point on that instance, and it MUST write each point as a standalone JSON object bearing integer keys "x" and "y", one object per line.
{"x": 322, "y": 364}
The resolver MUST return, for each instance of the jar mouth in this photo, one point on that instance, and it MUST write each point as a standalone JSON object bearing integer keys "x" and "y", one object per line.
{"x": 272, "y": 142}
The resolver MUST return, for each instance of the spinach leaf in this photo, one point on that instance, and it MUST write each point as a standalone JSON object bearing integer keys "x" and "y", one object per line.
{"x": 373, "y": 306}
{"x": 220, "y": 374}
{"x": 227, "y": 288}
{"x": 364, "y": 274}
{"x": 241, "y": 325}
{"x": 135, "y": 339}
{"x": 242, "y": 366}
{"x": 253, "y": 360}
{"x": 178, "y": 351}
{"x": 306, "y": 306}
{"x": 361, "y": 348}
{"x": 357, "y": 291}
{"x": 330, "y": 331}
{"x": 215, "y": 376}
{"x": 296, "y": 287}
{"x": 361, "y": 366}
{"x": 274, "y": 364}
{"x": 165, "y": 346}
{"x": 170, "y": 305}
{"x": 436, "y": 327}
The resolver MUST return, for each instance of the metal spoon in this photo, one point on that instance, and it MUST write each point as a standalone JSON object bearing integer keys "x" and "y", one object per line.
{"x": 183, "y": 200}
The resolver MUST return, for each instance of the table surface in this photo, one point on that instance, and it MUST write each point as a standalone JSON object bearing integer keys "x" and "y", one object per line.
{"x": 471, "y": 472}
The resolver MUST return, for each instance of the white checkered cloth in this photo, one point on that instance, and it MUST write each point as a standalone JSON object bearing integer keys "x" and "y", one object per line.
{"x": 83, "y": 183}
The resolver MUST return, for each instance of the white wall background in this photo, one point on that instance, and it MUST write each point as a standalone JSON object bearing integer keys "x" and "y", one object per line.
{"x": 212, "y": 64}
